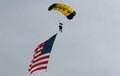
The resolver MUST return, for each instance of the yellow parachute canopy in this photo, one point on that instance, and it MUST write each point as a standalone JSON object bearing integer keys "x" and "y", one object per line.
{"x": 64, "y": 9}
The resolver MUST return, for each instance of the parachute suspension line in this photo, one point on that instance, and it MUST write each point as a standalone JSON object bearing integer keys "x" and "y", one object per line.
{"x": 58, "y": 19}
{"x": 55, "y": 17}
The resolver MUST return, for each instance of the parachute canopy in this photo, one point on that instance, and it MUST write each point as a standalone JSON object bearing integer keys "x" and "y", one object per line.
{"x": 64, "y": 9}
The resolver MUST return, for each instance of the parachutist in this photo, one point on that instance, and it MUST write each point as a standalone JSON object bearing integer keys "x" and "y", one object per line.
{"x": 60, "y": 27}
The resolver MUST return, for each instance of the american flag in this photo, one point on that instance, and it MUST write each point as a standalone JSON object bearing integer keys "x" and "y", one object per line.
{"x": 41, "y": 55}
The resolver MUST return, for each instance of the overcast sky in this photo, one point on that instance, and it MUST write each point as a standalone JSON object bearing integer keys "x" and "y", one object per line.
{"x": 88, "y": 46}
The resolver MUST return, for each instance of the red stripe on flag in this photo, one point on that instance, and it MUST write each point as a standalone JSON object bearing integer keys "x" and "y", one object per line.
{"x": 35, "y": 56}
{"x": 40, "y": 46}
{"x": 44, "y": 57}
{"x": 38, "y": 64}
{"x": 41, "y": 68}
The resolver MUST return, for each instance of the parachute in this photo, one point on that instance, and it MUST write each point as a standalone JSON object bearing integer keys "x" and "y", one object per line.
{"x": 64, "y": 9}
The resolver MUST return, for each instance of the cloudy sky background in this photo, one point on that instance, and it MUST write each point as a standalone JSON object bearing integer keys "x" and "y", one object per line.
{"x": 88, "y": 46}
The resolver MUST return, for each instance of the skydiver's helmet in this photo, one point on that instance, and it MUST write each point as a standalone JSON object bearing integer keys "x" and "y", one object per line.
{"x": 60, "y": 23}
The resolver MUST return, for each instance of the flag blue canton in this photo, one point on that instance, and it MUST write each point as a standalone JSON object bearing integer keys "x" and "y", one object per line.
{"x": 48, "y": 45}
